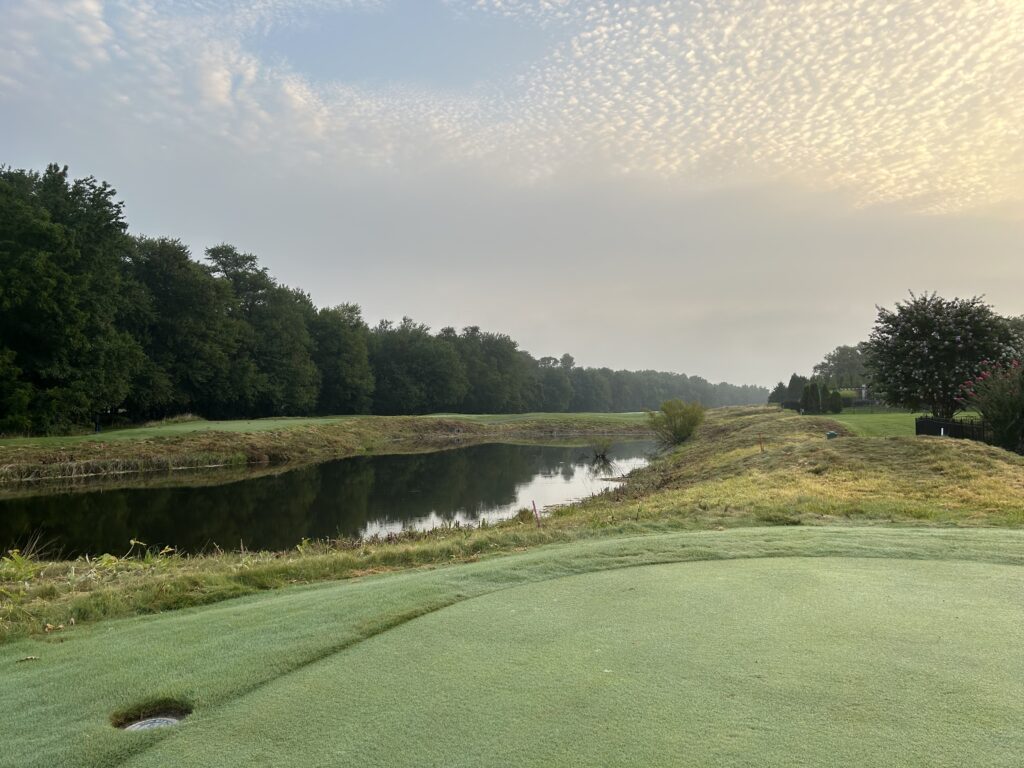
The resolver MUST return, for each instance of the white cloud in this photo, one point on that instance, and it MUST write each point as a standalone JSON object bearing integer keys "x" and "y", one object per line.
{"x": 919, "y": 104}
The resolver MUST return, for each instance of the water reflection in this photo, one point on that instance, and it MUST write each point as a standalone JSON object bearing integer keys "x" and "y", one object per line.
{"x": 360, "y": 496}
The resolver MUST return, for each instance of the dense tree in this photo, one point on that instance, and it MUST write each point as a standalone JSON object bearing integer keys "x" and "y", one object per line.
{"x": 193, "y": 341}
{"x": 279, "y": 343}
{"x": 63, "y": 297}
{"x": 555, "y": 390}
{"x": 810, "y": 399}
{"x": 415, "y": 371}
{"x": 591, "y": 389}
{"x": 795, "y": 388}
{"x": 495, "y": 373}
{"x": 998, "y": 394}
{"x": 95, "y": 323}
{"x": 342, "y": 356}
{"x": 843, "y": 367}
{"x": 835, "y": 402}
{"x": 920, "y": 355}
{"x": 778, "y": 395}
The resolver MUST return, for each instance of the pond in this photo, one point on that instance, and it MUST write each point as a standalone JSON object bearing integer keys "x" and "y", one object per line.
{"x": 355, "y": 497}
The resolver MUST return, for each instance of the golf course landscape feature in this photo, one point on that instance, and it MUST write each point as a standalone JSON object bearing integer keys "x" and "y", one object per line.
{"x": 357, "y": 497}
{"x": 757, "y": 596}
{"x": 780, "y": 647}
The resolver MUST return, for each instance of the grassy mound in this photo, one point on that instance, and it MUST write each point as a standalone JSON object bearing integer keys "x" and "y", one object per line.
{"x": 752, "y": 466}
{"x": 191, "y": 444}
{"x": 769, "y": 647}
{"x": 743, "y": 467}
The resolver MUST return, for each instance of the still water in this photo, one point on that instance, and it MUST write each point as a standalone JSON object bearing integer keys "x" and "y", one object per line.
{"x": 356, "y": 497}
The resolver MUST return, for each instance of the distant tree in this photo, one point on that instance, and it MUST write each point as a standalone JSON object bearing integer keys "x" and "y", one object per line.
{"x": 192, "y": 339}
{"x": 778, "y": 395}
{"x": 495, "y": 374}
{"x": 795, "y": 388}
{"x": 341, "y": 354}
{"x": 810, "y": 398}
{"x": 843, "y": 367}
{"x": 591, "y": 390}
{"x": 555, "y": 388}
{"x": 414, "y": 371}
{"x": 287, "y": 382}
{"x": 835, "y": 402}
{"x": 920, "y": 355}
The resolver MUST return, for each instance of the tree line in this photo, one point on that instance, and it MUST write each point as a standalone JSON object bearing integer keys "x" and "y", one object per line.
{"x": 98, "y": 324}
{"x": 928, "y": 353}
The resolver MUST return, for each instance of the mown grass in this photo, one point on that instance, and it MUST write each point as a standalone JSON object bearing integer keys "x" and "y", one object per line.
{"x": 893, "y": 424}
{"x": 194, "y": 444}
{"x": 718, "y": 479}
{"x": 862, "y": 658}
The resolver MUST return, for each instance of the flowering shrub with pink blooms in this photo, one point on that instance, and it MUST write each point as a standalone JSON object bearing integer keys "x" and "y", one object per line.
{"x": 998, "y": 394}
{"x": 920, "y": 354}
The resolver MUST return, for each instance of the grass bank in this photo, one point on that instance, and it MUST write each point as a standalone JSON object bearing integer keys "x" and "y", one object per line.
{"x": 744, "y": 467}
{"x": 870, "y": 647}
{"x": 195, "y": 444}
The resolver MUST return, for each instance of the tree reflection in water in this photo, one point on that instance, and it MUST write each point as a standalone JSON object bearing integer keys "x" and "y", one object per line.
{"x": 350, "y": 497}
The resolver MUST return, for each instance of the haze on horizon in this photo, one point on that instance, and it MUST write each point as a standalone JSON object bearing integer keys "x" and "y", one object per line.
{"x": 720, "y": 188}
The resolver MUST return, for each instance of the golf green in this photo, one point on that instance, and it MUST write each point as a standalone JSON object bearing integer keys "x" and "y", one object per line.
{"x": 743, "y": 663}
{"x": 605, "y": 653}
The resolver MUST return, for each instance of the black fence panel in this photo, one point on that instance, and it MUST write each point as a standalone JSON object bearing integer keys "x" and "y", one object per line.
{"x": 964, "y": 430}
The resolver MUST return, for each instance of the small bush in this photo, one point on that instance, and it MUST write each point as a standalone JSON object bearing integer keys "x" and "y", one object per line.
{"x": 998, "y": 394}
{"x": 675, "y": 421}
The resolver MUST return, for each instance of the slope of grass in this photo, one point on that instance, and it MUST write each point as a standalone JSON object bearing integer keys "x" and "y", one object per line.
{"x": 859, "y": 657}
{"x": 748, "y": 465}
{"x": 720, "y": 478}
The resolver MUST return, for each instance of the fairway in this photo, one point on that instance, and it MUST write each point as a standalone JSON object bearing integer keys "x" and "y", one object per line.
{"x": 894, "y": 424}
{"x": 748, "y": 663}
{"x": 883, "y": 648}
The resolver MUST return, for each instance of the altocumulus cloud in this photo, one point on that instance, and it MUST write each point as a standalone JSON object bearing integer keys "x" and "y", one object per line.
{"x": 650, "y": 138}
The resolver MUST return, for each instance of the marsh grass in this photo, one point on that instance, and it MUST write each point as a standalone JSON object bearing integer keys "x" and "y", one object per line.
{"x": 720, "y": 478}
{"x": 197, "y": 445}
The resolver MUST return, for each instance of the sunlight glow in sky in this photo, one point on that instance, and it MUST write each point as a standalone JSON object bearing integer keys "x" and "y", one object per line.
{"x": 526, "y": 164}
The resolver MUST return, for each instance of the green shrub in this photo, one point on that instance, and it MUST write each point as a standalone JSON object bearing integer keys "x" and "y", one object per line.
{"x": 998, "y": 394}
{"x": 835, "y": 402}
{"x": 675, "y": 421}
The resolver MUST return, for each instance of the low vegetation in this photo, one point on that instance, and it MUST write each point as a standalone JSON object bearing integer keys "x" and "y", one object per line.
{"x": 743, "y": 467}
{"x": 195, "y": 443}
{"x": 675, "y": 421}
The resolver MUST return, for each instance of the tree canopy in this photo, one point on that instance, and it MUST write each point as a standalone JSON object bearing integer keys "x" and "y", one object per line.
{"x": 99, "y": 325}
{"x": 921, "y": 354}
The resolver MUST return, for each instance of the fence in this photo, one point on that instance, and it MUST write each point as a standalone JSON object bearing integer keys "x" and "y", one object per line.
{"x": 965, "y": 430}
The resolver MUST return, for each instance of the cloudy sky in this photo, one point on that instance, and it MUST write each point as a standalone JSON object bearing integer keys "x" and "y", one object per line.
{"x": 718, "y": 187}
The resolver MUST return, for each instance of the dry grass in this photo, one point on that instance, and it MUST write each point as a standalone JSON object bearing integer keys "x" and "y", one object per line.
{"x": 720, "y": 478}
{"x": 723, "y": 477}
{"x": 289, "y": 442}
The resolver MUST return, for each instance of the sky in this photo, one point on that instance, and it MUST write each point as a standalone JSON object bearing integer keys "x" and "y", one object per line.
{"x": 724, "y": 188}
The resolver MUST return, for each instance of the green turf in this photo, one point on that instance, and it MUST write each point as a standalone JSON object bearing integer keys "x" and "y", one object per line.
{"x": 172, "y": 429}
{"x": 890, "y": 647}
{"x": 877, "y": 424}
{"x": 179, "y": 428}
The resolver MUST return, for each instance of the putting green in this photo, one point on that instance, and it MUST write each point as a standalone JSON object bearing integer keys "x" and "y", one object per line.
{"x": 570, "y": 655}
{"x": 741, "y": 663}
